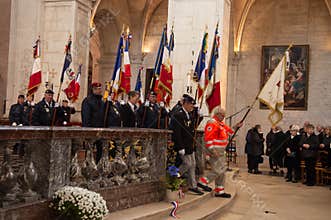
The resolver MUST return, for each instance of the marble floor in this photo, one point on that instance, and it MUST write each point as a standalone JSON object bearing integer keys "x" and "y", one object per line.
{"x": 270, "y": 197}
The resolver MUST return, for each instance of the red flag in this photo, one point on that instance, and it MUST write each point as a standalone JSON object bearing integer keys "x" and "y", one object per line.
{"x": 72, "y": 91}
{"x": 35, "y": 77}
{"x": 214, "y": 99}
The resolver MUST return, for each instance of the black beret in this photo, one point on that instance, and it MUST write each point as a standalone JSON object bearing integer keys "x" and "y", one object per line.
{"x": 96, "y": 85}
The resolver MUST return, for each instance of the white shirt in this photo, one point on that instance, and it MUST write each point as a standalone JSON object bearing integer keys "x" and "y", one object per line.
{"x": 187, "y": 114}
{"x": 131, "y": 106}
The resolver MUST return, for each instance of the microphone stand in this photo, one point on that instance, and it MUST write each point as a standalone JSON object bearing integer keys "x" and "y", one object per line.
{"x": 229, "y": 153}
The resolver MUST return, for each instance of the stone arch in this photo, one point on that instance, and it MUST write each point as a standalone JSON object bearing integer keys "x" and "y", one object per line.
{"x": 248, "y": 4}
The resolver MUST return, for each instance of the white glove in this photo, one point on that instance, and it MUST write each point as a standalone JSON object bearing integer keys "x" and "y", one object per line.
{"x": 56, "y": 105}
{"x": 32, "y": 103}
{"x": 147, "y": 103}
{"x": 20, "y": 125}
{"x": 108, "y": 98}
{"x": 14, "y": 124}
{"x": 162, "y": 104}
{"x": 122, "y": 102}
{"x": 182, "y": 152}
{"x": 65, "y": 123}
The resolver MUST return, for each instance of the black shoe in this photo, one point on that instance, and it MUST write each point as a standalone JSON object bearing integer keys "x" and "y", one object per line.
{"x": 257, "y": 172}
{"x": 310, "y": 184}
{"x": 196, "y": 191}
{"x": 294, "y": 181}
{"x": 288, "y": 180}
{"x": 250, "y": 171}
{"x": 205, "y": 188}
{"x": 223, "y": 195}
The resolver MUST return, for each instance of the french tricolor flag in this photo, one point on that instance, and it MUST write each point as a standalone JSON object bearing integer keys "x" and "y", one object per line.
{"x": 35, "y": 77}
{"x": 126, "y": 70}
{"x": 116, "y": 78}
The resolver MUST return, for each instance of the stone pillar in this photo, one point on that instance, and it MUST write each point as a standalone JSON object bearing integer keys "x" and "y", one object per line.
{"x": 53, "y": 21}
{"x": 25, "y": 26}
{"x": 190, "y": 22}
{"x": 4, "y": 49}
{"x": 62, "y": 18}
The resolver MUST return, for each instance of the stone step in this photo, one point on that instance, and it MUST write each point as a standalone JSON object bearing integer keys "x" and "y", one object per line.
{"x": 193, "y": 207}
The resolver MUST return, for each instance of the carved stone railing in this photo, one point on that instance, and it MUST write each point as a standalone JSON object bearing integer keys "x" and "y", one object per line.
{"x": 58, "y": 156}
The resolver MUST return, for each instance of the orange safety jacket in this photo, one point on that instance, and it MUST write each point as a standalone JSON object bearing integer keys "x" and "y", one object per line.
{"x": 217, "y": 133}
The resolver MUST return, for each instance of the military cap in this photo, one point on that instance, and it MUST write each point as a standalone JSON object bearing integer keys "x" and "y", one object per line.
{"x": 188, "y": 99}
{"x": 49, "y": 91}
{"x": 152, "y": 93}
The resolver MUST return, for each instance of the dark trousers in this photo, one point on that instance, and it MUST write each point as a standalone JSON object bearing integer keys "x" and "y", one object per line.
{"x": 310, "y": 170}
{"x": 293, "y": 167}
{"x": 252, "y": 162}
{"x": 271, "y": 164}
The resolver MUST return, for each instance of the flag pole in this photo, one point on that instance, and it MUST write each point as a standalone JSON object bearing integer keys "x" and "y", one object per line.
{"x": 68, "y": 48}
{"x": 249, "y": 109}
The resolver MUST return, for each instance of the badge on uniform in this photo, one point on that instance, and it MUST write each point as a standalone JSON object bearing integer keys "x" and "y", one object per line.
{"x": 209, "y": 128}
{"x": 115, "y": 110}
{"x": 46, "y": 108}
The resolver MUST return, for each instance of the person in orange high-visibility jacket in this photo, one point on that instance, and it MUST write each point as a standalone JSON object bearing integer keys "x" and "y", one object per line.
{"x": 216, "y": 139}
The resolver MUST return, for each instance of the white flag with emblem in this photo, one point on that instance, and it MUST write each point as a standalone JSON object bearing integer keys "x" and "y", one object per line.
{"x": 272, "y": 93}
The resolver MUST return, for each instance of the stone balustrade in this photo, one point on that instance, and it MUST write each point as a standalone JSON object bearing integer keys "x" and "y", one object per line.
{"x": 129, "y": 173}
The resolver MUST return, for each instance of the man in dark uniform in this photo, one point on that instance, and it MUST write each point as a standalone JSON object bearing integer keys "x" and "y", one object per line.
{"x": 93, "y": 113}
{"x": 29, "y": 108}
{"x": 64, "y": 114}
{"x": 17, "y": 117}
{"x": 148, "y": 112}
{"x": 183, "y": 136}
{"x": 176, "y": 108}
{"x": 113, "y": 115}
{"x": 44, "y": 110}
{"x": 129, "y": 110}
{"x": 16, "y": 113}
{"x": 93, "y": 108}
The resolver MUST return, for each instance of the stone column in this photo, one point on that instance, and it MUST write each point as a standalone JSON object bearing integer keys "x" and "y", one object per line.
{"x": 62, "y": 18}
{"x": 25, "y": 26}
{"x": 190, "y": 22}
{"x": 53, "y": 21}
{"x": 4, "y": 49}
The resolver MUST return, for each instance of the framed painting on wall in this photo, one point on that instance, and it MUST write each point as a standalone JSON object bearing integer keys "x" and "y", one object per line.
{"x": 296, "y": 79}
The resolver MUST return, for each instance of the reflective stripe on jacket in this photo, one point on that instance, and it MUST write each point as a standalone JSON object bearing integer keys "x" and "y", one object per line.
{"x": 217, "y": 133}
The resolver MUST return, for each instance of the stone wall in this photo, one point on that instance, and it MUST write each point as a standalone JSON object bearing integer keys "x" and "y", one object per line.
{"x": 276, "y": 22}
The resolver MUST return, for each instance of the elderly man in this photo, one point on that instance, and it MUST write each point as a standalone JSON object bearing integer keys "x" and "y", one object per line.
{"x": 216, "y": 139}
{"x": 44, "y": 111}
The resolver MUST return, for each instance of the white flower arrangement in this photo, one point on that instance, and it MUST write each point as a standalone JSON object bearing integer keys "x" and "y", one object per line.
{"x": 78, "y": 203}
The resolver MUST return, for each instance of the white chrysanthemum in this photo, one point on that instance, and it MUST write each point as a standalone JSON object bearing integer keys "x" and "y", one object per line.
{"x": 90, "y": 205}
